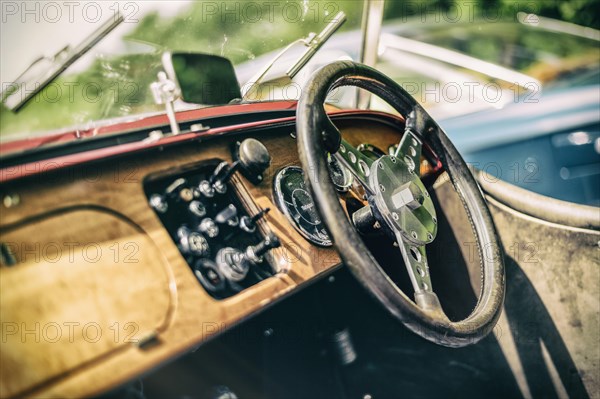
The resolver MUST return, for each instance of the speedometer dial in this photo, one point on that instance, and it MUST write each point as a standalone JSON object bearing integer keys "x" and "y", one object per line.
{"x": 296, "y": 203}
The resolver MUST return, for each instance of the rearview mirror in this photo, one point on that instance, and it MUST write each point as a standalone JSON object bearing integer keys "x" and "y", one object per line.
{"x": 202, "y": 78}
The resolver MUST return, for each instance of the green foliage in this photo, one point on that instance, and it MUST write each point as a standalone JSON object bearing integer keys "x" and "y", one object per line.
{"x": 580, "y": 12}
{"x": 241, "y": 32}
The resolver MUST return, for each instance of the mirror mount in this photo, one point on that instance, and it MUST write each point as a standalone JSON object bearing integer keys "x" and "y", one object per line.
{"x": 194, "y": 78}
{"x": 165, "y": 92}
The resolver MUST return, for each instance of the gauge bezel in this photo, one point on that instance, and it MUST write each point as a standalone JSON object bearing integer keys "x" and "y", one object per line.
{"x": 283, "y": 207}
{"x": 348, "y": 176}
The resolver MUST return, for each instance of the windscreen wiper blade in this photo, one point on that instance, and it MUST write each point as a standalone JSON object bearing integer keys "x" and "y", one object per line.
{"x": 29, "y": 83}
{"x": 312, "y": 43}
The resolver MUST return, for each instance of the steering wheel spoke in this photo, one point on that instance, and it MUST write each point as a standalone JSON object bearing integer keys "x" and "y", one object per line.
{"x": 409, "y": 151}
{"x": 358, "y": 164}
{"x": 415, "y": 259}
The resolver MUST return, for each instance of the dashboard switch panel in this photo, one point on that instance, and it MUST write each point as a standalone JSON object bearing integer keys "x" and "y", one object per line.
{"x": 221, "y": 242}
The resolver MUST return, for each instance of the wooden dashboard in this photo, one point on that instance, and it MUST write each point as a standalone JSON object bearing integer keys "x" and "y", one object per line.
{"x": 100, "y": 293}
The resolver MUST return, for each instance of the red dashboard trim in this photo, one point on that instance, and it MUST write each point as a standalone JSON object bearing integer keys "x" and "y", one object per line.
{"x": 161, "y": 119}
{"x": 42, "y": 166}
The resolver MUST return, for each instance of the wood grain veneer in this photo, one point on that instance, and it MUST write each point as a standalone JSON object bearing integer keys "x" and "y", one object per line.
{"x": 103, "y": 205}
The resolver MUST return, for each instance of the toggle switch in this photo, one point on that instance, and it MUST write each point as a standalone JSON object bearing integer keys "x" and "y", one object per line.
{"x": 197, "y": 208}
{"x": 221, "y": 176}
{"x": 209, "y": 227}
{"x": 228, "y": 216}
{"x": 206, "y": 189}
{"x": 254, "y": 253}
{"x": 159, "y": 203}
{"x": 248, "y": 224}
{"x": 235, "y": 264}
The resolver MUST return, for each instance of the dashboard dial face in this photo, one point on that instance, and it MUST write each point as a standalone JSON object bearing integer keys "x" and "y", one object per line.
{"x": 296, "y": 203}
{"x": 340, "y": 175}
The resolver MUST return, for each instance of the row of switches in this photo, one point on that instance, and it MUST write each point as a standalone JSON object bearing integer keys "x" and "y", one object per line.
{"x": 192, "y": 242}
{"x": 217, "y": 239}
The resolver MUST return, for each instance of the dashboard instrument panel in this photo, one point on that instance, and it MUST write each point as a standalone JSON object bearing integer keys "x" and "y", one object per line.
{"x": 153, "y": 285}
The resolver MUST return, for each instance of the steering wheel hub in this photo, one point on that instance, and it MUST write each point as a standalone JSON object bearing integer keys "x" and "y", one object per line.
{"x": 402, "y": 200}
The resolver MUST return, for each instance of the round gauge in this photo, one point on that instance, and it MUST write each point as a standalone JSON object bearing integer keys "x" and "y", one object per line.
{"x": 296, "y": 203}
{"x": 340, "y": 175}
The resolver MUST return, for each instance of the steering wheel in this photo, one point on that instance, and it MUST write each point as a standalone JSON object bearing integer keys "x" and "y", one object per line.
{"x": 399, "y": 204}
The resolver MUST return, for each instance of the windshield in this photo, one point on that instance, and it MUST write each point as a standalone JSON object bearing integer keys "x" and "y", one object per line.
{"x": 113, "y": 79}
{"x": 452, "y": 64}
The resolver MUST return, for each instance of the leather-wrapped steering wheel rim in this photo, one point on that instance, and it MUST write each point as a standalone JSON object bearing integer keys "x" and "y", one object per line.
{"x": 316, "y": 135}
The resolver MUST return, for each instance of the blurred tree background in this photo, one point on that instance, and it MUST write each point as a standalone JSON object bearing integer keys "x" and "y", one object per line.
{"x": 580, "y": 12}
{"x": 241, "y": 33}
{"x": 253, "y": 33}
